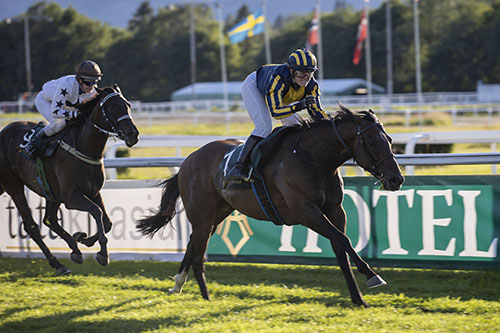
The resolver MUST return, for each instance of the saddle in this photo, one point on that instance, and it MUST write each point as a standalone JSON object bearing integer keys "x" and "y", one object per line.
{"x": 258, "y": 158}
{"x": 45, "y": 147}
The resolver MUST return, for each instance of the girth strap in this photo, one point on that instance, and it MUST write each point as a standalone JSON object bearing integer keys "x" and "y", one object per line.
{"x": 42, "y": 180}
{"x": 266, "y": 204}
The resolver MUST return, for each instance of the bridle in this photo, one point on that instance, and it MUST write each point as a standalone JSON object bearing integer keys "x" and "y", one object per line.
{"x": 374, "y": 168}
{"x": 111, "y": 122}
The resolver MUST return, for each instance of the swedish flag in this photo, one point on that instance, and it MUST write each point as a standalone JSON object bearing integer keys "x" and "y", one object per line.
{"x": 252, "y": 25}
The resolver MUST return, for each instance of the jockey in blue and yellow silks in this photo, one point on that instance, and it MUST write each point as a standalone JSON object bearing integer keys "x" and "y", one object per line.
{"x": 278, "y": 91}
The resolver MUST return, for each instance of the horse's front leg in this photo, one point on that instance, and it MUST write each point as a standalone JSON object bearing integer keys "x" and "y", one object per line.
{"x": 317, "y": 221}
{"x": 77, "y": 200}
{"x": 50, "y": 220}
{"x": 90, "y": 240}
{"x": 338, "y": 217}
{"x": 105, "y": 218}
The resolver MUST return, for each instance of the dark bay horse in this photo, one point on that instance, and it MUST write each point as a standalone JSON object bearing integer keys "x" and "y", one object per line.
{"x": 304, "y": 183}
{"x": 74, "y": 173}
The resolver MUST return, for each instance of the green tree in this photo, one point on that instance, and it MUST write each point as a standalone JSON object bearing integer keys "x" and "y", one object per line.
{"x": 143, "y": 14}
{"x": 154, "y": 60}
{"x": 59, "y": 42}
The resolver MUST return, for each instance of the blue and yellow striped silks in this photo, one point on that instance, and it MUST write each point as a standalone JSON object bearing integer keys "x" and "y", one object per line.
{"x": 275, "y": 84}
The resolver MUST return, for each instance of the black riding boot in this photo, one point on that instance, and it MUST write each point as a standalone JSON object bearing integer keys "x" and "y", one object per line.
{"x": 32, "y": 146}
{"x": 237, "y": 172}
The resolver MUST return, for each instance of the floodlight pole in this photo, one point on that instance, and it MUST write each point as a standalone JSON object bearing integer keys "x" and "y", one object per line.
{"x": 368, "y": 53}
{"x": 27, "y": 50}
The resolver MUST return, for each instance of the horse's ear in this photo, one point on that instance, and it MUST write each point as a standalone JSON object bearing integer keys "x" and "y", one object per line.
{"x": 371, "y": 111}
{"x": 345, "y": 110}
{"x": 117, "y": 88}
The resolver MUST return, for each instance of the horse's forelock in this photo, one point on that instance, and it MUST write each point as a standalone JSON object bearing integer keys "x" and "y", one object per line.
{"x": 369, "y": 115}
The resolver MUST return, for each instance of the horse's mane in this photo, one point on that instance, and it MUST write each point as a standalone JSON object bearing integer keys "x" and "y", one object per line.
{"x": 342, "y": 114}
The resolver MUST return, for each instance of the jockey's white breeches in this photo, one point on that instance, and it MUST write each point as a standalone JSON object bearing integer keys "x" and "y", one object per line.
{"x": 257, "y": 108}
{"x": 55, "y": 124}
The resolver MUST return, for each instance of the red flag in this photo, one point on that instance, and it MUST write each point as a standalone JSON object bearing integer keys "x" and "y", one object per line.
{"x": 312, "y": 37}
{"x": 360, "y": 38}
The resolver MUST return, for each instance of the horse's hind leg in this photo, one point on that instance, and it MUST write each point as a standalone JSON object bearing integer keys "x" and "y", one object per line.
{"x": 200, "y": 241}
{"x": 182, "y": 273}
{"x": 203, "y": 227}
{"x": 32, "y": 229}
{"x": 50, "y": 220}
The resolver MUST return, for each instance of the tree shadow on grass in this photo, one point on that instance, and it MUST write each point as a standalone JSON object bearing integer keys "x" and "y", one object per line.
{"x": 74, "y": 321}
{"x": 413, "y": 283}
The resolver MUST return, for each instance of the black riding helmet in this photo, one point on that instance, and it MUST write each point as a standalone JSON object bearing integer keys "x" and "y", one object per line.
{"x": 88, "y": 70}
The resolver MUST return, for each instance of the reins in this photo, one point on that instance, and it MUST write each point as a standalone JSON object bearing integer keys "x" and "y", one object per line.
{"x": 374, "y": 169}
{"x": 108, "y": 119}
{"x": 87, "y": 159}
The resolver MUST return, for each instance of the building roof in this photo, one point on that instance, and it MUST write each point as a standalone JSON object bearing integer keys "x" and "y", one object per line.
{"x": 215, "y": 90}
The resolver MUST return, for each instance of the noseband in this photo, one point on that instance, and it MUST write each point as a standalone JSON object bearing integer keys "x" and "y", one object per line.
{"x": 374, "y": 169}
{"x": 109, "y": 119}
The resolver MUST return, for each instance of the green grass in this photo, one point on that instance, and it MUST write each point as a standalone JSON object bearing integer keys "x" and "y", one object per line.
{"x": 132, "y": 297}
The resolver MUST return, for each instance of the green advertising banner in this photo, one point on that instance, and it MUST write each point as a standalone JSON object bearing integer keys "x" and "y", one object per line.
{"x": 432, "y": 219}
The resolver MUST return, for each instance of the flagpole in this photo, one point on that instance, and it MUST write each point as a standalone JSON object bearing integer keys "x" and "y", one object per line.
{"x": 266, "y": 32}
{"x": 222, "y": 57}
{"x": 417, "y": 51}
{"x": 388, "y": 45}
{"x": 192, "y": 47}
{"x": 320, "y": 43}
{"x": 368, "y": 53}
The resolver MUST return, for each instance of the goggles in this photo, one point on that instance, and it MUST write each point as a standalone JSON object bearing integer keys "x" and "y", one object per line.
{"x": 89, "y": 83}
{"x": 302, "y": 73}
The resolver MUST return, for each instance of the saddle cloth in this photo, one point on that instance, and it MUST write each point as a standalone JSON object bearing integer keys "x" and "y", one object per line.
{"x": 258, "y": 158}
{"x": 46, "y": 147}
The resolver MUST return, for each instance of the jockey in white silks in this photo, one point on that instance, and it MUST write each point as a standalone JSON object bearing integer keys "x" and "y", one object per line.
{"x": 57, "y": 98}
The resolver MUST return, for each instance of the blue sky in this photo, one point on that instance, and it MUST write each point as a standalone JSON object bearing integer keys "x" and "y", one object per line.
{"x": 118, "y": 12}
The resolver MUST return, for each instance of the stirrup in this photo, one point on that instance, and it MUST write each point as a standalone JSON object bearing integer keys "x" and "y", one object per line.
{"x": 30, "y": 149}
{"x": 248, "y": 178}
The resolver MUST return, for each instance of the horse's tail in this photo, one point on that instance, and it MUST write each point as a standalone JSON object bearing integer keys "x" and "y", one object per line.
{"x": 150, "y": 225}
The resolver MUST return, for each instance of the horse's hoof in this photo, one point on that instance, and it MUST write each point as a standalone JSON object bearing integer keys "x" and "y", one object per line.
{"x": 102, "y": 260}
{"x": 107, "y": 227}
{"x": 77, "y": 258}
{"x": 79, "y": 236}
{"x": 360, "y": 303}
{"x": 63, "y": 271}
{"x": 375, "y": 281}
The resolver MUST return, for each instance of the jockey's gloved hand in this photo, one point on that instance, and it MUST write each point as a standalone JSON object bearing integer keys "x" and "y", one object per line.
{"x": 304, "y": 103}
{"x": 300, "y": 105}
{"x": 310, "y": 101}
{"x": 71, "y": 114}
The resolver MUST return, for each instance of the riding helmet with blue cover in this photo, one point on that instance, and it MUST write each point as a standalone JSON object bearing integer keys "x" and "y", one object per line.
{"x": 302, "y": 59}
